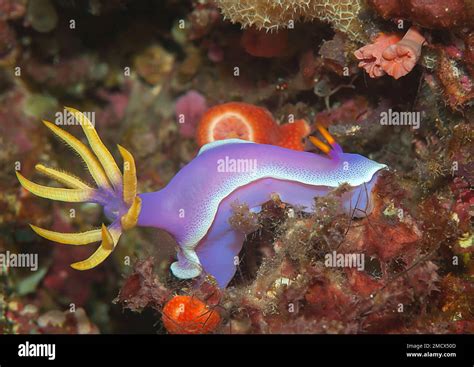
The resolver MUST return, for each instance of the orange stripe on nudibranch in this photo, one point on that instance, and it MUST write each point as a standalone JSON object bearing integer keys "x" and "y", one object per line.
{"x": 319, "y": 144}
{"x": 325, "y": 134}
{"x": 334, "y": 147}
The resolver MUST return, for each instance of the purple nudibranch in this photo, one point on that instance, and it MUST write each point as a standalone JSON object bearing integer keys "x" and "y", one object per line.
{"x": 196, "y": 205}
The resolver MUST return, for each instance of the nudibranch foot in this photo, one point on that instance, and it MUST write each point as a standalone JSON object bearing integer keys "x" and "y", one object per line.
{"x": 188, "y": 265}
{"x": 219, "y": 257}
{"x": 218, "y": 252}
{"x": 117, "y": 193}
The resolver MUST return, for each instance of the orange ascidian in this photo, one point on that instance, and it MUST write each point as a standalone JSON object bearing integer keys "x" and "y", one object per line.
{"x": 237, "y": 120}
{"x": 189, "y": 315}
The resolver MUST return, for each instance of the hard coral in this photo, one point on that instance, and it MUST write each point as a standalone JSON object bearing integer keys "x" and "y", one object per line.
{"x": 455, "y": 82}
{"x": 427, "y": 13}
{"x": 271, "y": 15}
{"x": 248, "y": 122}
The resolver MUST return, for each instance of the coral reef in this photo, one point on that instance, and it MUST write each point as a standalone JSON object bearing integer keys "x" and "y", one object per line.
{"x": 426, "y": 13}
{"x": 162, "y": 78}
{"x": 26, "y": 318}
{"x": 343, "y": 15}
{"x": 296, "y": 289}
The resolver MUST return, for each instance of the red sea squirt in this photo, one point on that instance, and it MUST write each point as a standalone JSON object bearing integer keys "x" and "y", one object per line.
{"x": 189, "y": 315}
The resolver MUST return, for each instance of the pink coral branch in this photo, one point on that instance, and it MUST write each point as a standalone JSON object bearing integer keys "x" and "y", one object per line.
{"x": 370, "y": 56}
{"x": 389, "y": 54}
{"x": 400, "y": 58}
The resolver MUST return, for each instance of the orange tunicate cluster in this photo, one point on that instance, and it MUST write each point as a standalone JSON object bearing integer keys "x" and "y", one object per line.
{"x": 248, "y": 122}
{"x": 189, "y": 315}
{"x": 389, "y": 54}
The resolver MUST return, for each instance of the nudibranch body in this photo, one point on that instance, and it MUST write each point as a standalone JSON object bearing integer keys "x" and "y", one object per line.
{"x": 196, "y": 205}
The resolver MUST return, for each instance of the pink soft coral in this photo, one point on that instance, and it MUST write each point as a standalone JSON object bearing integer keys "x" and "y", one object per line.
{"x": 399, "y": 59}
{"x": 371, "y": 55}
{"x": 188, "y": 109}
{"x": 391, "y": 55}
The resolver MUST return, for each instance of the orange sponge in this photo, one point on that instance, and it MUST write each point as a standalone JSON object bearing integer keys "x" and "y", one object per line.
{"x": 249, "y": 122}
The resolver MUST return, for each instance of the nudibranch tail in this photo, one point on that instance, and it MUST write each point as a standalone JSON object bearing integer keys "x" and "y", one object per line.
{"x": 116, "y": 193}
{"x": 333, "y": 149}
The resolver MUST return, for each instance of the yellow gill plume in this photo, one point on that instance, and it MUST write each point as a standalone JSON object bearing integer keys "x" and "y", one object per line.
{"x": 107, "y": 176}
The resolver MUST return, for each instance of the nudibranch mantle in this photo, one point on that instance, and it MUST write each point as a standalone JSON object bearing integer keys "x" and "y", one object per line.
{"x": 196, "y": 205}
